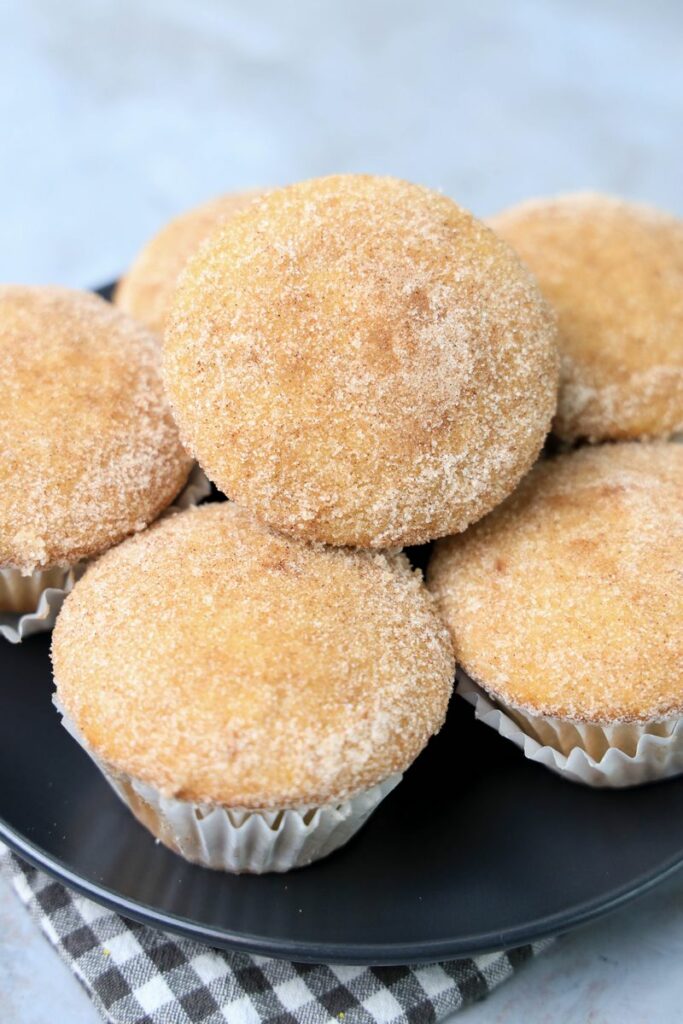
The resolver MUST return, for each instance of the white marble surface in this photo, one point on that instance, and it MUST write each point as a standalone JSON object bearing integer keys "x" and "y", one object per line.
{"x": 117, "y": 115}
{"x": 33, "y": 978}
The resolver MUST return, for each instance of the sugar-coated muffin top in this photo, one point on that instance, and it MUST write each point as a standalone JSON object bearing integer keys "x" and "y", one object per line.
{"x": 568, "y": 599}
{"x": 361, "y": 361}
{"x": 613, "y": 271}
{"x": 222, "y": 662}
{"x": 89, "y": 449}
{"x": 147, "y": 290}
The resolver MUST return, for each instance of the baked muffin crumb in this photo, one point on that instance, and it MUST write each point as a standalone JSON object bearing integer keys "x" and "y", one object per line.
{"x": 567, "y": 601}
{"x": 360, "y": 361}
{"x": 222, "y": 662}
{"x": 89, "y": 451}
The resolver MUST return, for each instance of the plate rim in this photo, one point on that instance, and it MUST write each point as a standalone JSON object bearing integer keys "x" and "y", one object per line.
{"x": 356, "y": 954}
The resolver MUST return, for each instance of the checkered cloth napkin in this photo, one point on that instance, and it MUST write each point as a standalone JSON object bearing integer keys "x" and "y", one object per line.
{"x": 137, "y": 975}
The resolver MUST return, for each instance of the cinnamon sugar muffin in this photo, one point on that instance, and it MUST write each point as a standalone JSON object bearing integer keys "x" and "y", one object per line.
{"x": 250, "y": 697}
{"x": 90, "y": 452}
{"x": 360, "y": 361}
{"x": 566, "y": 606}
{"x": 147, "y": 289}
{"x": 613, "y": 271}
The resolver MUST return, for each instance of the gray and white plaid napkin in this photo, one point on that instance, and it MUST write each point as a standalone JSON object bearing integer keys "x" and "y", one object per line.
{"x": 137, "y": 975}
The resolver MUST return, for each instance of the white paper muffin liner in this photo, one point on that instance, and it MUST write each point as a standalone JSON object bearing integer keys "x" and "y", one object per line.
{"x": 610, "y": 756}
{"x": 45, "y": 590}
{"x": 238, "y": 840}
{"x": 197, "y": 488}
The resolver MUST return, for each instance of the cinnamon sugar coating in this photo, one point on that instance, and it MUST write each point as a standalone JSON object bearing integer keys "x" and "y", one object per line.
{"x": 147, "y": 290}
{"x": 360, "y": 361}
{"x": 222, "y": 662}
{"x": 613, "y": 271}
{"x": 89, "y": 451}
{"x": 567, "y": 600}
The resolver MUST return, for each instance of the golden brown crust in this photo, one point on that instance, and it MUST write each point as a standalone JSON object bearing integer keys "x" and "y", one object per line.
{"x": 224, "y": 663}
{"x": 567, "y": 600}
{"x": 360, "y": 361}
{"x": 614, "y": 273}
{"x": 89, "y": 451}
{"x": 147, "y": 290}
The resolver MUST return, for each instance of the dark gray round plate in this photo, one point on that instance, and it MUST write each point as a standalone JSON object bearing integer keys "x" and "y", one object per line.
{"x": 478, "y": 848}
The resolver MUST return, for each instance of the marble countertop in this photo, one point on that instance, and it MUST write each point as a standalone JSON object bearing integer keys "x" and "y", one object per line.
{"x": 117, "y": 116}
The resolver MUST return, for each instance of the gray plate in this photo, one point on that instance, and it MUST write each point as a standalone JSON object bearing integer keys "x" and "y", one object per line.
{"x": 476, "y": 850}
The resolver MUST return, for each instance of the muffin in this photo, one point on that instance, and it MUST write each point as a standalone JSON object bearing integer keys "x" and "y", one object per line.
{"x": 90, "y": 452}
{"x": 147, "y": 289}
{"x": 565, "y": 606}
{"x": 251, "y": 698}
{"x": 360, "y": 362}
{"x": 613, "y": 271}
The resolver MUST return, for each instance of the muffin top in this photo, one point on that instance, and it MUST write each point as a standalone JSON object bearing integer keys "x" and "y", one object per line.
{"x": 147, "y": 290}
{"x": 613, "y": 271}
{"x": 222, "y": 662}
{"x": 568, "y": 599}
{"x": 360, "y": 361}
{"x": 89, "y": 449}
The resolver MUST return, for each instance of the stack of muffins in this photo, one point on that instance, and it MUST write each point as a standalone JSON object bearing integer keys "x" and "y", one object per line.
{"x": 359, "y": 365}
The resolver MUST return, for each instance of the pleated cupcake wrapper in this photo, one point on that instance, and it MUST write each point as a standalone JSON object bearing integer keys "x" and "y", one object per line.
{"x": 238, "y": 840}
{"x": 248, "y": 841}
{"x": 195, "y": 490}
{"x": 44, "y": 590}
{"x": 610, "y": 756}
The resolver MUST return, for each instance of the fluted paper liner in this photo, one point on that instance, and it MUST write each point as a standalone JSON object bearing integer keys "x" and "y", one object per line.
{"x": 238, "y": 840}
{"x": 195, "y": 490}
{"x": 610, "y": 756}
{"x": 44, "y": 590}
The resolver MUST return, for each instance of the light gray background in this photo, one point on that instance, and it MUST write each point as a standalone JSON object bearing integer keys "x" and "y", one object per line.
{"x": 116, "y": 115}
